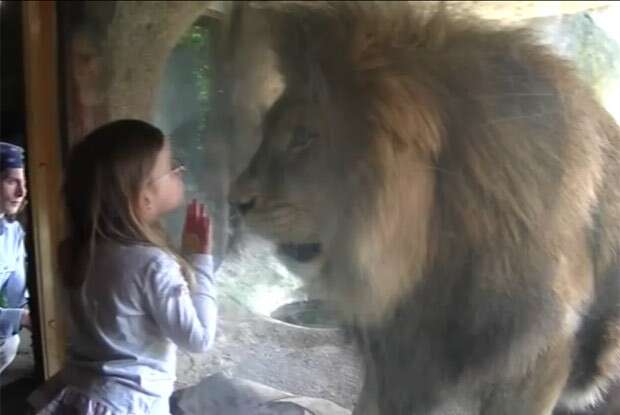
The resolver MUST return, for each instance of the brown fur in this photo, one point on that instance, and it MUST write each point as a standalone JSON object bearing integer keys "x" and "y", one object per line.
{"x": 464, "y": 186}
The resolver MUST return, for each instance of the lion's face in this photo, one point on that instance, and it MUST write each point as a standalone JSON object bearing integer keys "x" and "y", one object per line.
{"x": 273, "y": 201}
{"x": 285, "y": 193}
{"x": 326, "y": 185}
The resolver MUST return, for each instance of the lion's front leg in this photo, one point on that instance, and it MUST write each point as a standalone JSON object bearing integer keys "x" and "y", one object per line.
{"x": 537, "y": 391}
{"x": 368, "y": 400}
{"x": 390, "y": 389}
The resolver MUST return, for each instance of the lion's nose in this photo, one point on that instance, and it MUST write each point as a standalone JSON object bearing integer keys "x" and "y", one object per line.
{"x": 243, "y": 194}
{"x": 245, "y": 205}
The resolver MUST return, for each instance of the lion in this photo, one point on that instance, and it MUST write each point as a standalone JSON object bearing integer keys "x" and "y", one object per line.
{"x": 458, "y": 187}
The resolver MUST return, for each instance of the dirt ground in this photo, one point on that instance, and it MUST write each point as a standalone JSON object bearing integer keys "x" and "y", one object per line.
{"x": 317, "y": 363}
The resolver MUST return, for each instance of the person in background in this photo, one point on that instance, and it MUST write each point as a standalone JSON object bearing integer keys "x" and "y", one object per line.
{"x": 13, "y": 293}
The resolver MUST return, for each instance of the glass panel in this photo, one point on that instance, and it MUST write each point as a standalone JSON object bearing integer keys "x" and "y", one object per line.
{"x": 157, "y": 61}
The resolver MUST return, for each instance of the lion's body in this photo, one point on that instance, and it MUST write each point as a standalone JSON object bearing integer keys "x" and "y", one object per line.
{"x": 464, "y": 187}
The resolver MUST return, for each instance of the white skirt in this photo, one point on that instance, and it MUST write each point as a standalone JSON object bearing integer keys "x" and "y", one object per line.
{"x": 73, "y": 402}
{"x": 57, "y": 396}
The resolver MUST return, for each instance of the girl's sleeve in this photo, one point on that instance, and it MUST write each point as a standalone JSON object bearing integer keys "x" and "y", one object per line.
{"x": 187, "y": 319}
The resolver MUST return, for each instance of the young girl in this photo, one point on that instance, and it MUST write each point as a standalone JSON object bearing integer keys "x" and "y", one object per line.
{"x": 132, "y": 299}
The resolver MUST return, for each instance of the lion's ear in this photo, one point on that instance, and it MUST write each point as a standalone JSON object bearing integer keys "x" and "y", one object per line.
{"x": 436, "y": 29}
{"x": 320, "y": 39}
{"x": 291, "y": 38}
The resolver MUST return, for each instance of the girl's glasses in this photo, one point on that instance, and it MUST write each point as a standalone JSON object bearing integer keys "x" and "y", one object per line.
{"x": 176, "y": 170}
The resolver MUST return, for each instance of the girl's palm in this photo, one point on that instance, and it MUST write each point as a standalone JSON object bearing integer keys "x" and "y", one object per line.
{"x": 197, "y": 229}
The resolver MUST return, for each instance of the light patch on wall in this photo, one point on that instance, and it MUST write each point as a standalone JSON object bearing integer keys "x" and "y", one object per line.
{"x": 607, "y": 20}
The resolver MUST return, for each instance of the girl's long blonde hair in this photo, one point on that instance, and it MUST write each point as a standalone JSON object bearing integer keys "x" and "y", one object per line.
{"x": 105, "y": 174}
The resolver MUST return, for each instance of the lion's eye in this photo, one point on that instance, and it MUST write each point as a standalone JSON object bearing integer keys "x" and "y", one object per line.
{"x": 302, "y": 138}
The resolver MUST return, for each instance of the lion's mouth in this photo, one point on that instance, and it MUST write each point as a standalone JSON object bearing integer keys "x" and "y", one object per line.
{"x": 300, "y": 252}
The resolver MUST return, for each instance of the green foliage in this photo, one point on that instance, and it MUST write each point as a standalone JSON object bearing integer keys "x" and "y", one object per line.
{"x": 186, "y": 92}
{"x": 197, "y": 39}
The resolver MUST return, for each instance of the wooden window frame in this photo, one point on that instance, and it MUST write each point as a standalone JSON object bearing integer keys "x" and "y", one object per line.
{"x": 44, "y": 170}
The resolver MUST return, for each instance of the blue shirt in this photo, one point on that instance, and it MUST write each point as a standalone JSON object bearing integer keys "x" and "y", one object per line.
{"x": 13, "y": 291}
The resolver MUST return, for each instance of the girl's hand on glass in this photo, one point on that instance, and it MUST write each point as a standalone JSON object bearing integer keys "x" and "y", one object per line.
{"x": 197, "y": 229}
